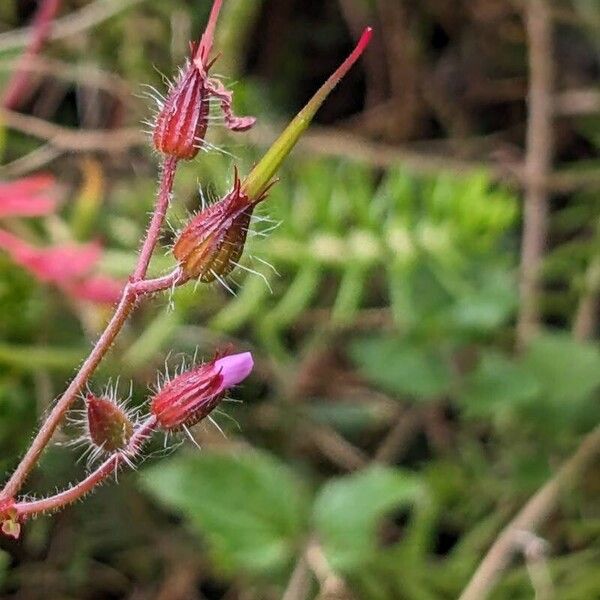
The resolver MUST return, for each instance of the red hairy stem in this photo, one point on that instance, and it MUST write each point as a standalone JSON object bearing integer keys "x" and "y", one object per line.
{"x": 77, "y": 491}
{"x": 158, "y": 217}
{"x": 131, "y": 293}
{"x": 41, "y": 26}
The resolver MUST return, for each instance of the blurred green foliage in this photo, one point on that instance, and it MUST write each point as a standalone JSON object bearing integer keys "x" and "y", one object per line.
{"x": 389, "y": 418}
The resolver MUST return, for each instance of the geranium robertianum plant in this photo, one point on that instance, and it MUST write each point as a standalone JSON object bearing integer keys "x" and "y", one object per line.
{"x": 207, "y": 249}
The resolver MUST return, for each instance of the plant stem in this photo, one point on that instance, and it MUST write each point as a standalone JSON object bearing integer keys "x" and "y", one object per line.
{"x": 109, "y": 466}
{"x": 535, "y": 511}
{"x": 158, "y": 217}
{"x": 538, "y": 167}
{"x": 131, "y": 293}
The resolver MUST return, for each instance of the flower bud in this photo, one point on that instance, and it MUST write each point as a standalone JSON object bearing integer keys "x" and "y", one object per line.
{"x": 191, "y": 396}
{"x": 109, "y": 426}
{"x": 183, "y": 120}
{"x": 183, "y": 117}
{"x": 212, "y": 243}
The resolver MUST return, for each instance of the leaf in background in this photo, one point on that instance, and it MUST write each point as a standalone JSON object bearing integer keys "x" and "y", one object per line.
{"x": 400, "y": 367}
{"x": 250, "y": 507}
{"x": 348, "y": 510}
{"x": 497, "y": 385}
{"x": 488, "y": 303}
{"x": 568, "y": 370}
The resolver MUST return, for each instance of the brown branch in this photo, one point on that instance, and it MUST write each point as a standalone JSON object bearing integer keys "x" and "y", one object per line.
{"x": 333, "y": 587}
{"x": 336, "y": 447}
{"x": 321, "y": 141}
{"x": 298, "y": 587}
{"x": 399, "y": 436}
{"x": 82, "y": 74}
{"x": 33, "y": 161}
{"x": 72, "y": 140}
{"x": 586, "y": 317}
{"x": 85, "y": 18}
{"x": 537, "y": 509}
{"x": 538, "y": 164}
{"x": 577, "y": 102}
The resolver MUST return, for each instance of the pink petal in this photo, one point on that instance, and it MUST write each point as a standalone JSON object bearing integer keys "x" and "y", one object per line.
{"x": 27, "y": 197}
{"x": 28, "y": 185}
{"x": 99, "y": 289}
{"x": 234, "y": 368}
{"x": 62, "y": 263}
{"x": 23, "y": 206}
{"x": 56, "y": 264}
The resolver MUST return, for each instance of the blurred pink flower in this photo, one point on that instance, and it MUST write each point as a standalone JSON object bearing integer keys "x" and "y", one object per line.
{"x": 69, "y": 266}
{"x": 27, "y": 197}
{"x": 100, "y": 289}
{"x": 56, "y": 264}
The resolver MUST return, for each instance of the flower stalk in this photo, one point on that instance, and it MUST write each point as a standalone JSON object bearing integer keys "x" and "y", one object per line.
{"x": 207, "y": 249}
{"x": 261, "y": 176}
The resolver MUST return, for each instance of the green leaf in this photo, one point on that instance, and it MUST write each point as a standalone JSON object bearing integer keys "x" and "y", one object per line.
{"x": 497, "y": 385}
{"x": 569, "y": 370}
{"x": 250, "y": 508}
{"x": 400, "y": 367}
{"x": 348, "y": 510}
{"x": 488, "y": 303}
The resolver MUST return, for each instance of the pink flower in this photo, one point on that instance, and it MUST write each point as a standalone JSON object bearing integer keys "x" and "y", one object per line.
{"x": 57, "y": 264}
{"x": 191, "y": 396}
{"x": 99, "y": 289}
{"x": 27, "y": 197}
{"x": 68, "y": 266}
{"x": 183, "y": 117}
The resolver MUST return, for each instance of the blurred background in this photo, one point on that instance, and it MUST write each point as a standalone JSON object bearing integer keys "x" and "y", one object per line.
{"x": 425, "y": 335}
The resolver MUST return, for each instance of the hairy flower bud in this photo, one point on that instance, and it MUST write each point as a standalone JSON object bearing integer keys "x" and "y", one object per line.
{"x": 109, "y": 426}
{"x": 183, "y": 117}
{"x": 183, "y": 120}
{"x": 191, "y": 396}
{"x": 212, "y": 243}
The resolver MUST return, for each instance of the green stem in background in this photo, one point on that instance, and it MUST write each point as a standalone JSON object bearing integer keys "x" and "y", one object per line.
{"x": 350, "y": 293}
{"x": 238, "y": 19}
{"x": 260, "y": 177}
{"x": 32, "y": 358}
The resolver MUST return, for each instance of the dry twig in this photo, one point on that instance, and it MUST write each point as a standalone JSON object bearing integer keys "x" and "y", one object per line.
{"x": 85, "y": 18}
{"x": 538, "y": 163}
{"x": 537, "y": 509}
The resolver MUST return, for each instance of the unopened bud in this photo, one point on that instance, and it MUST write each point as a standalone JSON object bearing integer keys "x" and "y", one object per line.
{"x": 109, "y": 426}
{"x": 212, "y": 243}
{"x": 191, "y": 396}
{"x": 183, "y": 117}
{"x": 181, "y": 124}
